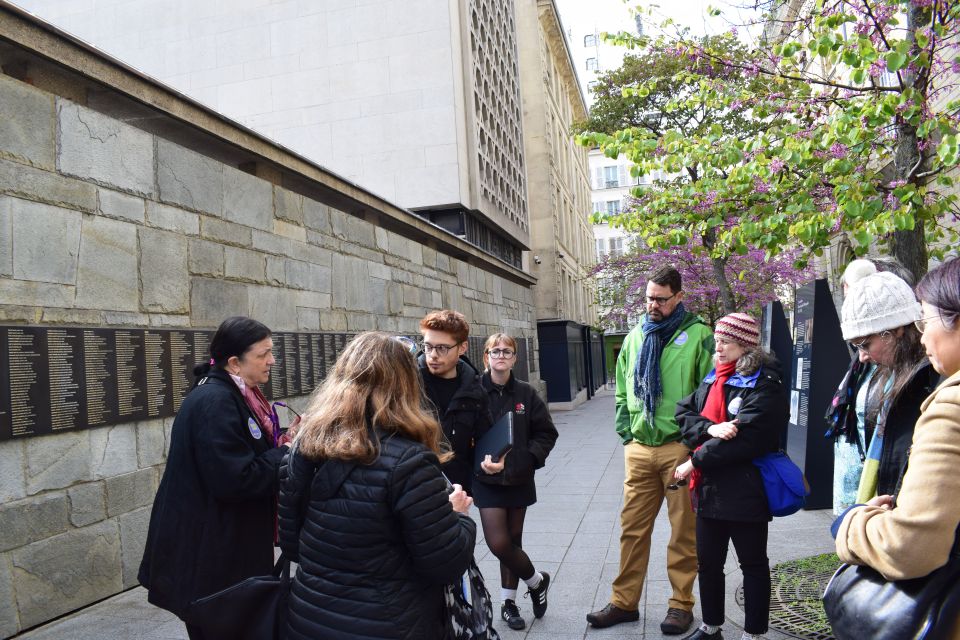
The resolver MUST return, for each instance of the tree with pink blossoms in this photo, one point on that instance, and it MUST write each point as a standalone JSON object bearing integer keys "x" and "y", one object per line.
{"x": 754, "y": 280}
{"x": 856, "y": 134}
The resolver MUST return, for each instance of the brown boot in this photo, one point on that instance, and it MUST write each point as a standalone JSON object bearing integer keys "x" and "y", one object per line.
{"x": 611, "y": 615}
{"x": 676, "y": 622}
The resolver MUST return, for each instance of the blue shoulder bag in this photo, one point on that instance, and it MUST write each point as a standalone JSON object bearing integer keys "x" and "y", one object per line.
{"x": 783, "y": 481}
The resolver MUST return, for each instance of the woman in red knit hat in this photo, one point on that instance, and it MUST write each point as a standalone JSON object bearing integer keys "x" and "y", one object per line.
{"x": 735, "y": 415}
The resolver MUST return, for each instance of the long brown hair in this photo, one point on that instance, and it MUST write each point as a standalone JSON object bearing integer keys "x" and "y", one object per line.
{"x": 492, "y": 342}
{"x": 909, "y": 356}
{"x": 375, "y": 379}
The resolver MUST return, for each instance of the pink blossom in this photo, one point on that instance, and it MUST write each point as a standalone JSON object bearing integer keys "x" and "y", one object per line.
{"x": 776, "y": 165}
{"x": 838, "y": 150}
{"x": 759, "y": 186}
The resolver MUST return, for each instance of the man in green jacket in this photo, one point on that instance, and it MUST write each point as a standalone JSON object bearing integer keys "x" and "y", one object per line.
{"x": 663, "y": 359}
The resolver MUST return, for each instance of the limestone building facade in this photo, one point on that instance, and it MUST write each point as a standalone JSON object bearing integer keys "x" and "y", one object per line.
{"x": 417, "y": 101}
{"x": 558, "y": 172}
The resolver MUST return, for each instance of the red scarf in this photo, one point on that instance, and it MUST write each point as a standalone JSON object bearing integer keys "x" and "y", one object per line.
{"x": 260, "y": 407}
{"x": 714, "y": 410}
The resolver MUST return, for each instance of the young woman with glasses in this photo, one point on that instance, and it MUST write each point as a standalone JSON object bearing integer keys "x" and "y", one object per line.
{"x": 506, "y": 487}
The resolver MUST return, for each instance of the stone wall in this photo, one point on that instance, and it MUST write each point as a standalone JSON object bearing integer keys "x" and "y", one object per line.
{"x": 106, "y": 224}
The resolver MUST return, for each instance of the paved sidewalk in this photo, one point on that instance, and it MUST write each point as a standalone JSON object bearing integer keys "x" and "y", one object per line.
{"x": 572, "y": 532}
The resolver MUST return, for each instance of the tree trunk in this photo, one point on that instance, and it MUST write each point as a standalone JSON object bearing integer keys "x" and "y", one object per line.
{"x": 720, "y": 272}
{"x": 910, "y": 246}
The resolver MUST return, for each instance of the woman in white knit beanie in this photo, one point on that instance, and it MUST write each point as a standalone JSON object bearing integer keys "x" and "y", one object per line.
{"x": 878, "y": 315}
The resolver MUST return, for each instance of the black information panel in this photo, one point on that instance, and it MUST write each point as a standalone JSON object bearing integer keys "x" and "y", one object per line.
{"x": 60, "y": 378}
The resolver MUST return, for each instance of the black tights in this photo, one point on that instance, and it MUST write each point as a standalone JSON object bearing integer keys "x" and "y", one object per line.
{"x": 503, "y": 531}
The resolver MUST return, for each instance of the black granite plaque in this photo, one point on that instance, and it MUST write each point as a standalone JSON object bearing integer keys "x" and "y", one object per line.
{"x": 304, "y": 363}
{"x": 100, "y": 374}
{"x": 317, "y": 359}
{"x": 6, "y": 431}
{"x": 182, "y": 361}
{"x": 159, "y": 389}
{"x": 277, "y": 386}
{"x": 131, "y": 377}
{"x": 29, "y": 381}
{"x": 67, "y": 400}
{"x": 291, "y": 369}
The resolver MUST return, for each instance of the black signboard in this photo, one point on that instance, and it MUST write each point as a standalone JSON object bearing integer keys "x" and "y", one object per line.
{"x": 820, "y": 358}
{"x": 56, "y": 379}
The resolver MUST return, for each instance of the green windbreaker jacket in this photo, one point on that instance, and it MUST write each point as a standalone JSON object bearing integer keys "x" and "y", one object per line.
{"x": 685, "y": 361}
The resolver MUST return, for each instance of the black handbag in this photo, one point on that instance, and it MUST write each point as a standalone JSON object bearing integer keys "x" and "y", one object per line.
{"x": 468, "y": 620}
{"x": 253, "y": 609}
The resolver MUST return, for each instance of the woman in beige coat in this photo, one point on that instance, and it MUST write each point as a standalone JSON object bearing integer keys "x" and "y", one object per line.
{"x": 911, "y": 534}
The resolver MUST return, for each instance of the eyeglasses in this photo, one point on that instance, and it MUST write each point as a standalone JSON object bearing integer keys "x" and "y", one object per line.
{"x": 501, "y": 353}
{"x": 864, "y": 345}
{"x": 659, "y": 300}
{"x": 441, "y": 349}
{"x": 921, "y": 324}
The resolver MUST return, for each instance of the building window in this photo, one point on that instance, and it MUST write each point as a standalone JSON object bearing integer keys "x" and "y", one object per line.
{"x": 597, "y": 207}
{"x": 611, "y": 177}
{"x": 592, "y": 86}
{"x": 613, "y": 207}
{"x": 590, "y": 40}
{"x": 600, "y": 248}
{"x": 616, "y": 246}
{"x": 592, "y": 64}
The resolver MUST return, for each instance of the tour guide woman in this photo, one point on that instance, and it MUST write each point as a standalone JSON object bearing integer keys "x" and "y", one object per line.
{"x": 213, "y": 519}
{"x": 911, "y": 534}
{"x": 735, "y": 415}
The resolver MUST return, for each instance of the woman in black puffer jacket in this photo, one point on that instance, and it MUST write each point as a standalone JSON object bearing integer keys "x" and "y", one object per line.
{"x": 734, "y": 417}
{"x": 364, "y": 508}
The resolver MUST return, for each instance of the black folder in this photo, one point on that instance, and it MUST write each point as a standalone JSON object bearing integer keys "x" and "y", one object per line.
{"x": 495, "y": 442}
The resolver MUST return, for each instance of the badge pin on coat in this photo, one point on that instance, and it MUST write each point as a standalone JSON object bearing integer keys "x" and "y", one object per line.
{"x": 681, "y": 339}
{"x": 254, "y": 428}
{"x": 734, "y": 407}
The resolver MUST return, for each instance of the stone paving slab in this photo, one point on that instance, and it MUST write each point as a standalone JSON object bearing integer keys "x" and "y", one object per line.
{"x": 572, "y": 532}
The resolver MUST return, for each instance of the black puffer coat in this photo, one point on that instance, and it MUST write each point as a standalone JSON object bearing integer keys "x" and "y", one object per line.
{"x": 212, "y": 523}
{"x": 533, "y": 431}
{"x": 731, "y": 487}
{"x": 375, "y": 546}
{"x": 467, "y": 415}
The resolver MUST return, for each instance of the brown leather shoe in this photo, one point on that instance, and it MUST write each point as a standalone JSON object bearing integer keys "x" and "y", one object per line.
{"x": 676, "y": 622}
{"x": 611, "y": 615}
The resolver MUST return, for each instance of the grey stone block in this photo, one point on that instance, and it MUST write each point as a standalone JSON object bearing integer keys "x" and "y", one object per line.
{"x": 272, "y": 243}
{"x": 226, "y": 232}
{"x": 113, "y": 450}
{"x": 131, "y": 490}
{"x": 316, "y": 215}
{"x": 46, "y": 242}
{"x": 333, "y": 321}
{"x": 13, "y": 480}
{"x": 33, "y": 519}
{"x": 121, "y": 205}
{"x": 88, "y": 503}
{"x": 383, "y": 239}
{"x": 107, "y": 264}
{"x": 9, "y": 620}
{"x": 151, "y": 444}
{"x": 206, "y": 258}
{"x": 44, "y": 186}
{"x": 66, "y": 572}
{"x": 308, "y": 319}
{"x": 304, "y": 275}
{"x": 103, "y": 149}
{"x": 6, "y": 236}
{"x": 133, "y": 539}
{"x": 57, "y": 461}
{"x": 173, "y": 219}
{"x": 346, "y": 272}
{"x": 28, "y": 126}
{"x": 243, "y": 264}
{"x": 189, "y": 179}
{"x": 394, "y": 297}
{"x": 247, "y": 199}
{"x": 376, "y": 291}
{"x": 276, "y": 270}
{"x": 274, "y": 307}
{"x": 288, "y": 205}
{"x": 213, "y": 300}
{"x": 164, "y": 277}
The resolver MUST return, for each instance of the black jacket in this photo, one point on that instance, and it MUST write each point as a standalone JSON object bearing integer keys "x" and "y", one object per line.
{"x": 533, "y": 431}
{"x": 467, "y": 415}
{"x": 732, "y": 488}
{"x": 212, "y": 523}
{"x": 898, "y": 427}
{"x": 375, "y": 543}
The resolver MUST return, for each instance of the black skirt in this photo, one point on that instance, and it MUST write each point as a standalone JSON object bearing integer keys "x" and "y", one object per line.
{"x": 504, "y": 496}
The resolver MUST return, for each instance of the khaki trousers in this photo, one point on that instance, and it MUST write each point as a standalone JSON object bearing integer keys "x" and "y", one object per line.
{"x": 648, "y": 472}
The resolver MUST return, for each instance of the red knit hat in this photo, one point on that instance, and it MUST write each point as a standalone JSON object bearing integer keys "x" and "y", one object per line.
{"x": 739, "y": 328}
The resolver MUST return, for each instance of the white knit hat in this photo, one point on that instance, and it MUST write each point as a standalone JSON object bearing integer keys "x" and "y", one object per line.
{"x": 857, "y": 270}
{"x": 878, "y": 302}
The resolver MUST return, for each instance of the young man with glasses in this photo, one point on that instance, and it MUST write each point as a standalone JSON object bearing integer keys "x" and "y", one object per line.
{"x": 663, "y": 359}
{"x": 452, "y": 384}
